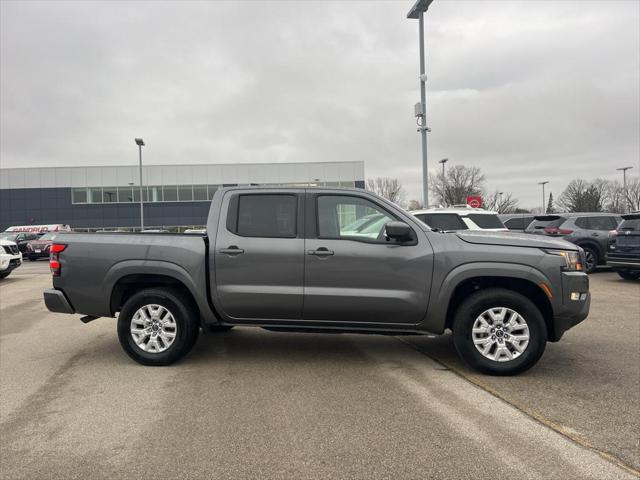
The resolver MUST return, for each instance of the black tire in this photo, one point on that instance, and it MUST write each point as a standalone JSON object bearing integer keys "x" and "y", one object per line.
{"x": 489, "y": 298}
{"x": 590, "y": 251}
{"x": 219, "y": 328}
{"x": 32, "y": 259}
{"x": 5, "y": 274}
{"x": 629, "y": 274}
{"x": 186, "y": 319}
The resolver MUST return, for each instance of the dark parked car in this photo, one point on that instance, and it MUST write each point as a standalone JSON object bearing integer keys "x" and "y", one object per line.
{"x": 39, "y": 247}
{"x": 624, "y": 247}
{"x": 516, "y": 221}
{"x": 297, "y": 259}
{"x": 587, "y": 230}
{"x": 20, "y": 238}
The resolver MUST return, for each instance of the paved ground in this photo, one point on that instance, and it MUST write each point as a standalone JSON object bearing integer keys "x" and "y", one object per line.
{"x": 253, "y": 404}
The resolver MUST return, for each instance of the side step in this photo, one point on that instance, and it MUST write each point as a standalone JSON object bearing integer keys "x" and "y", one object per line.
{"x": 88, "y": 318}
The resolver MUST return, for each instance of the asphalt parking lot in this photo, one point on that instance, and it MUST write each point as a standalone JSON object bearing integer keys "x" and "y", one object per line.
{"x": 254, "y": 404}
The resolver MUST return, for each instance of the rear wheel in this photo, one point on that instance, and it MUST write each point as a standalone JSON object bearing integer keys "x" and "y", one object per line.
{"x": 629, "y": 274}
{"x": 158, "y": 326}
{"x": 499, "y": 332}
{"x": 5, "y": 274}
{"x": 591, "y": 259}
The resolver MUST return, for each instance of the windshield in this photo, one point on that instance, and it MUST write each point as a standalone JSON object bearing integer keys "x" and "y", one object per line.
{"x": 630, "y": 225}
{"x": 443, "y": 221}
{"x": 9, "y": 236}
{"x": 485, "y": 221}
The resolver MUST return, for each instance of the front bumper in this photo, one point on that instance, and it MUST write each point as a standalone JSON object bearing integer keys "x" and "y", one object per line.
{"x": 56, "y": 301}
{"x": 572, "y": 311}
{"x": 618, "y": 262}
{"x": 10, "y": 262}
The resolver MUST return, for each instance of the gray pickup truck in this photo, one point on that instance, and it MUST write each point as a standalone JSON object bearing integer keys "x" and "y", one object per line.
{"x": 324, "y": 260}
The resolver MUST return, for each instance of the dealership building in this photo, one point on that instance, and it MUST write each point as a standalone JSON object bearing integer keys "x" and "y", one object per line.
{"x": 107, "y": 197}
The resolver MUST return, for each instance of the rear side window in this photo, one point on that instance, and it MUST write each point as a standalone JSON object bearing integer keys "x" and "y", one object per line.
{"x": 443, "y": 221}
{"x": 544, "y": 222}
{"x": 272, "y": 216}
{"x": 518, "y": 223}
{"x": 602, "y": 223}
{"x": 485, "y": 221}
{"x": 630, "y": 225}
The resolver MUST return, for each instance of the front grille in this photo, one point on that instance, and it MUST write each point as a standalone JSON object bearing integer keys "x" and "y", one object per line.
{"x": 12, "y": 249}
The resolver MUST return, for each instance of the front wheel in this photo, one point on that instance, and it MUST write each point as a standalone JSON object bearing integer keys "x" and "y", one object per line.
{"x": 499, "y": 332}
{"x": 629, "y": 274}
{"x": 158, "y": 326}
{"x": 5, "y": 274}
{"x": 591, "y": 259}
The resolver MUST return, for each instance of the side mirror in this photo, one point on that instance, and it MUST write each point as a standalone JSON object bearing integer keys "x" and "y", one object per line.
{"x": 399, "y": 231}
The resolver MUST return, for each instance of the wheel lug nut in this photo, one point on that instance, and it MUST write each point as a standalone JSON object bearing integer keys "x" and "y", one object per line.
{"x": 493, "y": 337}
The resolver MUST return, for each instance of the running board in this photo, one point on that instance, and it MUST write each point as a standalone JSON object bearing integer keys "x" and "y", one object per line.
{"x": 88, "y": 318}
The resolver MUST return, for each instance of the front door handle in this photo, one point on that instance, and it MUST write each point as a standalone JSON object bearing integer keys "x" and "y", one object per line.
{"x": 232, "y": 250}
{"x": 595, "y": 234}
{"x": 321, "y": 252}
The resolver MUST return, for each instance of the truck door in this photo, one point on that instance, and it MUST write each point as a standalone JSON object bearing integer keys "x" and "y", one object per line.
{"x": 353, "y": 274}
{"x": 259, "y": 255}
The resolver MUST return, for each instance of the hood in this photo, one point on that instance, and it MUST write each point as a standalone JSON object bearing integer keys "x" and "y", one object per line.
{"x": 7, "y": 243}
{"x": 40, "y": 243}
{"x": 512, "y": 239}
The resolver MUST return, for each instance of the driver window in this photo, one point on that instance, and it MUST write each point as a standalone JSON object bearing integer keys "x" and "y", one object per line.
{"x": 352, "y": 218}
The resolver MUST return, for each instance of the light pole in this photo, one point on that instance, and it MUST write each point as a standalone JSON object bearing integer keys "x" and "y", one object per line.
{"x": 624, "y": 186}
{"x": 544, "y": 207}
{"x": 499, "y": 205}
{"x": 140, "y": 144}
{"x": 443, "y": 161}
{"x": 417, "y": 11}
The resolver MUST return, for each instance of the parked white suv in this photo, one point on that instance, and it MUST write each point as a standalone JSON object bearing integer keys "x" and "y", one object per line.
{"x": 460, "y": 217}
{"x": 10, "y": 257}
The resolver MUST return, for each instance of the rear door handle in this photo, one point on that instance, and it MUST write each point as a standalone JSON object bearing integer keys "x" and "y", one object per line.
{"x": 232, "y": 250}
{"x": 321, "y": 252}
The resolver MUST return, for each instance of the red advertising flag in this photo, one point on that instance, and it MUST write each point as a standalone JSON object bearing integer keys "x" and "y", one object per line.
{"x": 474, "y": 201}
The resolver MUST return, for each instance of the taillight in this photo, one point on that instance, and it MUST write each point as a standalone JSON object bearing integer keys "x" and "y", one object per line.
{"x": 54, "y": 258}
{"x": 557, "y": 231}
{"x": 613, "y": 233}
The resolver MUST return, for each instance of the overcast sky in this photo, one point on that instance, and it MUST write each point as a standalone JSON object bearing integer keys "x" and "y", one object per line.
{"x": 527, "y": 91}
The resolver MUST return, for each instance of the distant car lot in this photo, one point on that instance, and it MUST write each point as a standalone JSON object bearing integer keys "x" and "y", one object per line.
{"x": 245, "y": 403}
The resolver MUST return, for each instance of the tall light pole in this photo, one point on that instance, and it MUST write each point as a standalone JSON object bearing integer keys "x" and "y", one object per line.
{"x": 544, "y": 206}
{"x": 417, "y": 11}
{"x": 140, "y": 144}
{"x": 443, "y": 161}
{"x": 624, "y": 186}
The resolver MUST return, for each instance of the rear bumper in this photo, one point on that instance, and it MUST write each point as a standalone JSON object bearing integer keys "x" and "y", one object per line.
{"x": 572, "y": 312}
{"x": 57, "y": 302}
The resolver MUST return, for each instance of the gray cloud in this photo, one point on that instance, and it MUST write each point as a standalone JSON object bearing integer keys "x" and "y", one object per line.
{"x": 525, "y": 90}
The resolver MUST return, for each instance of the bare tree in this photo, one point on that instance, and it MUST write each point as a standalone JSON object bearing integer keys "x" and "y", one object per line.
{"x": 633, "y": 194}
{"x": 583, "y": 196}
{"x": 386, "y": 187}
{"x": 616, "y": 201}
{"x": 501, "y": 202}
{"x": 459, "y": 182}
{"x": 414, "y": 205}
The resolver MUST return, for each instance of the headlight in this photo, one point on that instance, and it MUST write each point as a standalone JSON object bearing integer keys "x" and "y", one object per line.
{"x": 572, "y": 259}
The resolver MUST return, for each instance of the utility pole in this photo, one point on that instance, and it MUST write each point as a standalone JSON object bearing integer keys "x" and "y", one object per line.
{"x": 417, "y": 11}
{"x": 140, "y": 144}
{"x": 544, "y": 206}
{"x": 624, "y": 186}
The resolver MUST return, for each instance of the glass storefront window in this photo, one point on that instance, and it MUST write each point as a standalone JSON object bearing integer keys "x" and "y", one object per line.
{"x": 79, "y": 195}
{"x": 200, "y": 193}
{"x": 125, "y": 194}
{"x": 170, "y": 193}
{"x": 212, "y": 190}
{"x": 185, "y": 193}
{"x": 110, "y": 194}
{"x": 95, "y": 195}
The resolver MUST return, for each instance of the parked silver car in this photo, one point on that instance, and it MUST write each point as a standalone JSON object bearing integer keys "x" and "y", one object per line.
{"x": 587, "y": 230}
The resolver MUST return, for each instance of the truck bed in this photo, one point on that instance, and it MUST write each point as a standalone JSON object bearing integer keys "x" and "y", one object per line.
{"x": 93, "y": 262}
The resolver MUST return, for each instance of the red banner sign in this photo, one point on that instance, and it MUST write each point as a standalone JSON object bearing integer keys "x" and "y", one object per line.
{"x": 474, "y": 201}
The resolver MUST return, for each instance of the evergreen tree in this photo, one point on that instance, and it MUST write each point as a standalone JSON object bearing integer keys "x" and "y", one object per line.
{"x": 550, "y": 208}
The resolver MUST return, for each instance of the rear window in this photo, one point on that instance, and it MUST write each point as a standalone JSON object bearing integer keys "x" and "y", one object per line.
{"x": 540, "y": 223}
{"x": 485, "y": 221}
{"x": 266, "y": 216}
{"x": 443, "y": 221}
{"x": 518, "y": 223}
{"x": 630, "y": 225}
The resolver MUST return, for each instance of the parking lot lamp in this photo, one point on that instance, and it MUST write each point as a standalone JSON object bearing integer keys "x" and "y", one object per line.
{"x": 417, "y": 11}
{"x": 544, "y": 206}
{"x": 140, "y": 144}
{"x": 624, "y": 186}
{"x": 443, "y": 161}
